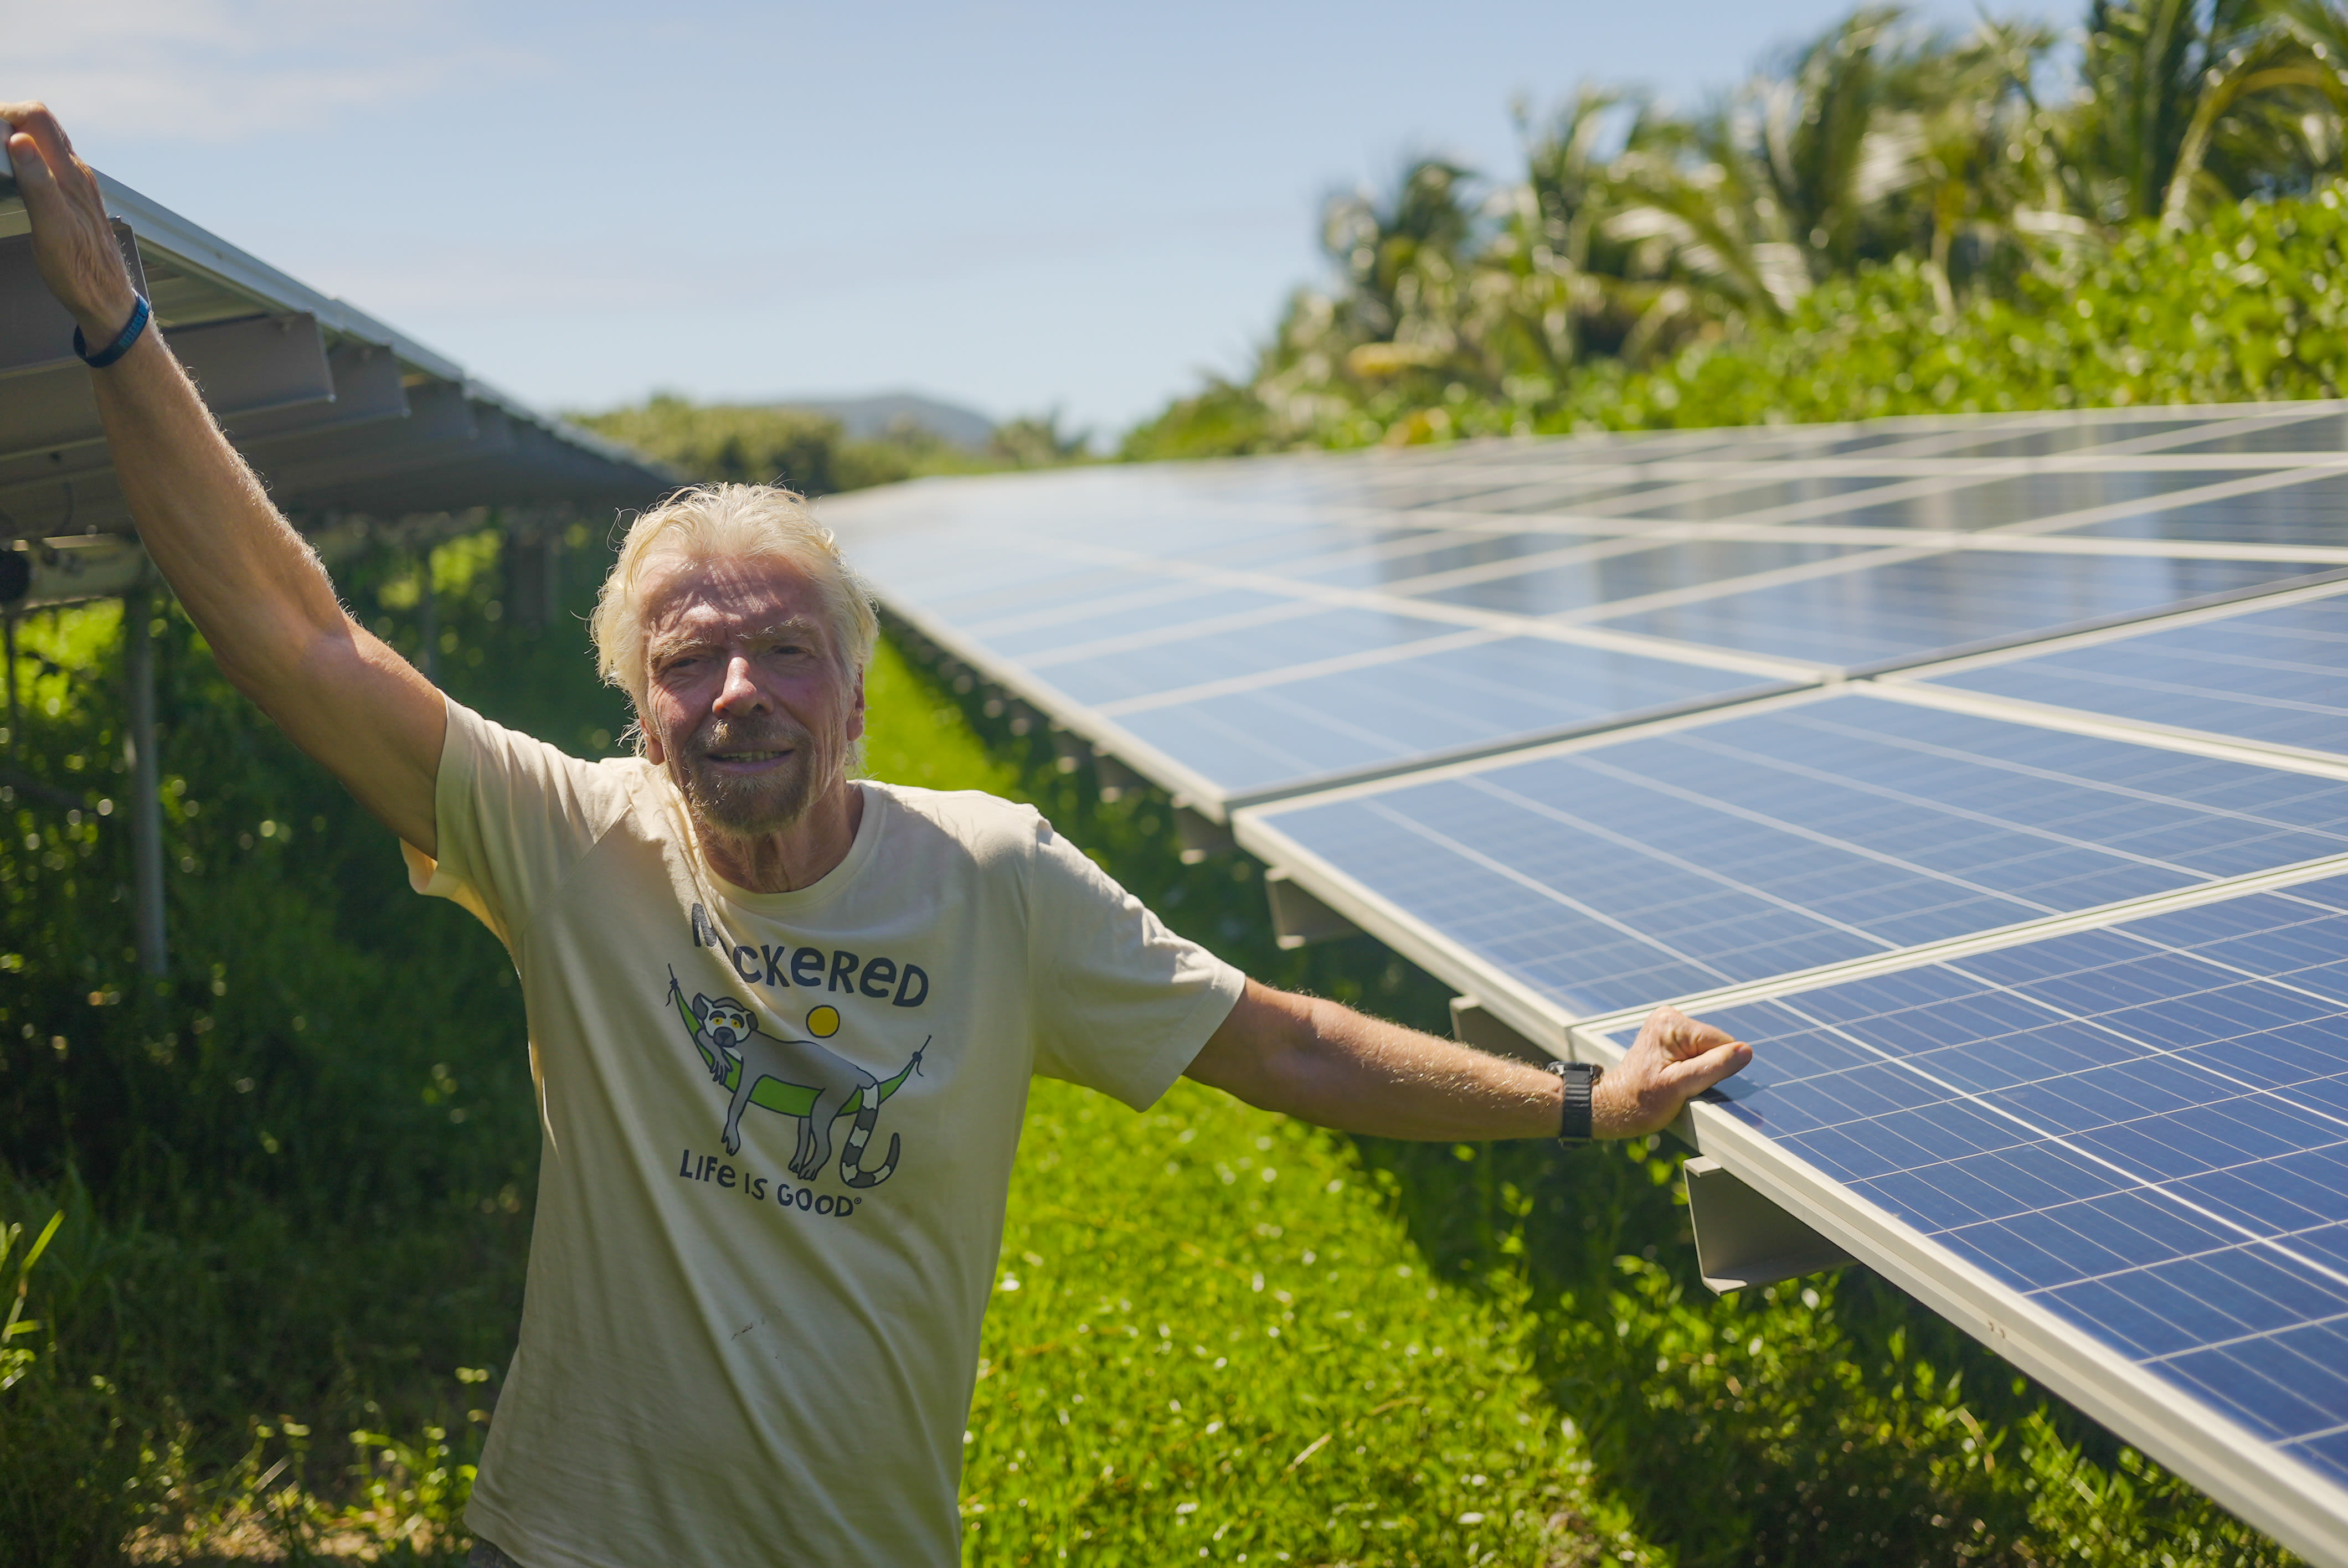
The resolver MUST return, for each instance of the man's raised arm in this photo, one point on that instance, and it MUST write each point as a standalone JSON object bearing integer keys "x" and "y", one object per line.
{"x": 249, "y": 581}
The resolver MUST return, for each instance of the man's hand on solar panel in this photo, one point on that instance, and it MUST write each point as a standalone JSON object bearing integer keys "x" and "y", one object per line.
{"x": 1328, "y": 1064}
{"x": 1674, "y": 1058}
{"x": 247, "y": 579}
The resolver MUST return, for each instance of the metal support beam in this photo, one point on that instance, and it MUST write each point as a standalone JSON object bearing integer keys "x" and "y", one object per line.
{"x": 368, "y": 386}
{"x": 1116, "y": 780}
{"x": 8, "y": 633}
{"x": 1297, "y": 916}
{"x": 533, "y": 570}
{"x": 36, "y": 331}
{"x": 249, "y": 368}
{"x": 80, "y": 569}
{"x": 549, "y": 576}
{"x": 146, "y": 782}
{"x": 1473, "y": 1023}
{"x": 1743, "y": 1239}
{"x": 1200, "y": 835}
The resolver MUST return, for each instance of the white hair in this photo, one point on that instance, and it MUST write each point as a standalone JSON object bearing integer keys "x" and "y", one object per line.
{"x": 723, "y": 523}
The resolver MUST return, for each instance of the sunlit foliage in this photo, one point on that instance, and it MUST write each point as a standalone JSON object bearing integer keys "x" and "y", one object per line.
{"x": 1936, "y": 176}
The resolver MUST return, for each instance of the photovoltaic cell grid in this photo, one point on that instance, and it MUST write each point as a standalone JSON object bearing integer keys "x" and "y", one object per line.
{"x": 1902, "y": 610}
{"x": 1615, "y": 874}
{"x": 2143, "y": 1128}
{"x": 2139, "y": 1127}
{"x": 2277, "y": 677}
{"x": 1267, "y": 626}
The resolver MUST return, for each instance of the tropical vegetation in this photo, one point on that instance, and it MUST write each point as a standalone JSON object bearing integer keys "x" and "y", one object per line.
{"x": 810, "y": 452}
{"x": 2012, "y": 217}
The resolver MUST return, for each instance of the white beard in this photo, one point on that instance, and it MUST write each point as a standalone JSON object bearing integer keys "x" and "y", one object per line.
{"x": 748, "y": 808}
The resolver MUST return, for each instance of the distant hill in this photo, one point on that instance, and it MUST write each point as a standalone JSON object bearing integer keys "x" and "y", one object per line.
{"x": 869, "y": 416}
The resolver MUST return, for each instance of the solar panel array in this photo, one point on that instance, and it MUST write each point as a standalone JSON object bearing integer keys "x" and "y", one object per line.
{"x": 1986, "y": 774}
{"x": 2144, "y": 1127}
{"x": 1244, "y": 631}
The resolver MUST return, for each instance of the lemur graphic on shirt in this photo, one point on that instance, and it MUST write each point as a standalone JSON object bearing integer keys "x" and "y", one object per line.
{"x": 795, "y": 1077}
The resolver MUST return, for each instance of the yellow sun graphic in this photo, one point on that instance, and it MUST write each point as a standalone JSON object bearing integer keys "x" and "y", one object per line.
{"x": 823, "y": 1022}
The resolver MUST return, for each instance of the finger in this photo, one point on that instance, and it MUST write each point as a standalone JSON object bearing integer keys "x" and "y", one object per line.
{"x": 50, "y": 150}
{"x": 46, "y": 200}
{"x": 34, "y": 119}
{"x": 29, "y": 164}
{"x": 1697, "y": 1073}
{"x": 1683, "y": 1037}
{"x": 57, "y": 188}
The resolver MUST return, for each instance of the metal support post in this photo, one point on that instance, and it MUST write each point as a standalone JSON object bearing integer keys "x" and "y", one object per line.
{"x": 8, "y": 632}
{"x": 549, "y": 582}
{"x": 146, "y": 782}
{"x": 427, "y": 620}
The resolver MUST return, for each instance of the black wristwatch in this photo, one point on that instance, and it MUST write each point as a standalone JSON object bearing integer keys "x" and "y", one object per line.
{"x": 1580, "y": 1077}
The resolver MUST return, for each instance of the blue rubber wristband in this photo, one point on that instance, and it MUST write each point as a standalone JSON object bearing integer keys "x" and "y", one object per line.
{"x": 140, "y": 314}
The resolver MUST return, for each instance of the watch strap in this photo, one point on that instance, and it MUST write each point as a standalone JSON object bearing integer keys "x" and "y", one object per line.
{"x": 1578, "y": 1078}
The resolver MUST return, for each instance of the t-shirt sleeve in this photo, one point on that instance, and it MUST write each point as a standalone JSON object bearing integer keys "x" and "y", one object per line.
{"x": 514, "y": 816}
{"x": 1123, "y": 1004}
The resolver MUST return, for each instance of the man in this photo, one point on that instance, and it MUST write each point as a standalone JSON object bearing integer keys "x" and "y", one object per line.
{"x": 782, "y": 1021}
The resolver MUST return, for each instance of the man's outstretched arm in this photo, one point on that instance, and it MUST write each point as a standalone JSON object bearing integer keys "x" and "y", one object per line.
{"x": 248, "y": 581}
{"x": 1328, "y": 1064}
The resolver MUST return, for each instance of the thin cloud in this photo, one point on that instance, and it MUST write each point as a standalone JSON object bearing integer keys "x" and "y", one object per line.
{"x": 227, "y": 70}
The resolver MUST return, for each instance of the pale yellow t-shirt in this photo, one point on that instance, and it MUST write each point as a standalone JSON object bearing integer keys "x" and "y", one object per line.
{"x": 724, "y": 1362}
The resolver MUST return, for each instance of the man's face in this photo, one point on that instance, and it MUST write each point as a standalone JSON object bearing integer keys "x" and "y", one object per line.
{"x": 747, "y": 703}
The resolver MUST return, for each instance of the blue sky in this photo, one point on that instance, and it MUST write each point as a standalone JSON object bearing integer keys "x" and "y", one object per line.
{"x": 1016, "y": 206}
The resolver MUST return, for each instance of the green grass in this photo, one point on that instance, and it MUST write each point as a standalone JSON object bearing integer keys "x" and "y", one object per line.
{"x": 1214, "y": 1339}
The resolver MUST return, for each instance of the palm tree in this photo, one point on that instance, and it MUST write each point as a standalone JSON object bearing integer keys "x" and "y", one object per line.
{"x": 1549, "y": 278}
{"x": 1402, "y": 259}
{"x": 1826, "y": 163}
{"x": 2187, "y": 102}
{"x": 1696, "y": 209}
{"x": 1980, "y": 148}
{"x": 1634, "y": 232}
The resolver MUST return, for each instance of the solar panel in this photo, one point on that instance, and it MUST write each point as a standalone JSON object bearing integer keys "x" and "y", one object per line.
{"x": 1988, "y": 502}
{"x": 2313, "y": 512}
{"x": 1228, "y": 657}
{"x": 1745, "y": 499}
{"x": 1461, "y": 693}
{"x": 1607, "y": 872}
{"x": 1399, "y": 564}
{"x": 2276, "y": 676}
{"x": 1244, "y": 631}
{"x": 2139, "y": 1129}
{"x": 1608, "y": 579}
{"x": 2326, "y": 433}
{"x": 1873, "y": 616}
{"x": 337, "y": 413}
{"x": 1552, "y": 495}
{"x": 2072, "y": 437}
{"x": 2052, "y": 1013}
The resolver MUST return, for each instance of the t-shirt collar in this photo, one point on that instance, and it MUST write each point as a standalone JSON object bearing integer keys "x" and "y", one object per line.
{"x": 798, "y": 900}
